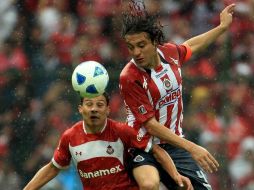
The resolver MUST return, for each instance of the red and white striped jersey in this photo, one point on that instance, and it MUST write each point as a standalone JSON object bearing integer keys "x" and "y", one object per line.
{"x": 99, "y": 158}
{"x": 156, "y": 92}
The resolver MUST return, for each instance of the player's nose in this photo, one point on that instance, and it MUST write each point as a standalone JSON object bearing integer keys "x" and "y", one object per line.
{"x": 94, "y": 109}
{"x": 136, "y": 52}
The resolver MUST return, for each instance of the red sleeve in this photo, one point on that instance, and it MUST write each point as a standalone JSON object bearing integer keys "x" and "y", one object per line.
{"x": 188, "y": 52}
{"x": 135, "y": 97}
{"x": 181, "y": 52}
{"x": 135, "y": 138}
{"x": 184, "y": 53}
{"x": 62, "y": 156}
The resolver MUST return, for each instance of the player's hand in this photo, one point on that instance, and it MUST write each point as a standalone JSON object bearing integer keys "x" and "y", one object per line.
{"x": 204, "y": 158}
{"x": 183, "y": 182}
{"x": 226, "y": 16}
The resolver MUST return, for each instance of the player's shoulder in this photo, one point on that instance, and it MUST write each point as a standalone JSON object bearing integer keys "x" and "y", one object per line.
{"x": 129, "y": 69}
{"x": 171, "y": 50}
{"x": 131, "y": 73}
{"x": 114, "y": 123}
{"x": 117, "y": 125}
{"x": 74, "y": 129}
{"x": 168, "y": 47}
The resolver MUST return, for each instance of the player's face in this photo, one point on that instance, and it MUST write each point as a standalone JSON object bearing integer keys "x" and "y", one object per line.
{"x": 142, "y": 50}
{"x": 94, "y": 112}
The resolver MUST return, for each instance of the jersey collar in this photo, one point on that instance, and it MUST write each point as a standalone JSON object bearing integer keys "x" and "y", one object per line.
{"x": 104, "y": 127}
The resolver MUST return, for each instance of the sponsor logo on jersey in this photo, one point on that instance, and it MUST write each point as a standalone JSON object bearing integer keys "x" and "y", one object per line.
{"x": 78, "y": 153}
{"x": 138, "y": 158}
{"x": 167, "y": 84}
{"x": 110, "y": 150}
{"x": 161, "y": 73}
{"x": 98, "y": 173}
{"x": 170, "y": 98}
{"x": 142, "y": 109}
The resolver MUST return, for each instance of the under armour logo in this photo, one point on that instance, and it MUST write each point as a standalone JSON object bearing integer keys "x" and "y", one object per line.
{"x": 78, "y": 153}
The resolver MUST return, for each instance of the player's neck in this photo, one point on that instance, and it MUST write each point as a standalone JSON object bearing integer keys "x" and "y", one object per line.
{"x": 156, "y": 61}
{"x": 94, "y": 129}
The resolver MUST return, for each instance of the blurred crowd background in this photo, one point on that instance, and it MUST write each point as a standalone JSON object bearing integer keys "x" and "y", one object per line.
{"x": 41, "y": 41}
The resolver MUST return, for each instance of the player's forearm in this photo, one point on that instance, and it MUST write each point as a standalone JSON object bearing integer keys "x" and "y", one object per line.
{"x": 156, "y": 129}
{"x": 201, "y": 41}
{"x": 165, "y": 160}
{"x": 43, "y": 176}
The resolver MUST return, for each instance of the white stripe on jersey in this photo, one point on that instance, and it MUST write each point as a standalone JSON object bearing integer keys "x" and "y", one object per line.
{"x": 150, "y": 97}
{"x": 57, "y": 165}
{"x": 149, "y": 144}
{"x": 130, "y": 117}
{"x": 163, "y": 113}
{"x": 160, "y": 52}
{"x": 94, "y": 149}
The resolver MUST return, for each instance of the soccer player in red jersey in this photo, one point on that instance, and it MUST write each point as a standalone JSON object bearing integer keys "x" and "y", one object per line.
{"x": 98, "y": 147}
{"x": 151, "y": 85}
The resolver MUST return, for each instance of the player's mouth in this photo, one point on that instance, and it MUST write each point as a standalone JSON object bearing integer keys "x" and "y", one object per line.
{"x": 94, "y": 117}
{"x": 139, "y": 60}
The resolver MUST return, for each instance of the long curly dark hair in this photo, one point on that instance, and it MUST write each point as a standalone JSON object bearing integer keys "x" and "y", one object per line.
{"x": 137, "y": 20}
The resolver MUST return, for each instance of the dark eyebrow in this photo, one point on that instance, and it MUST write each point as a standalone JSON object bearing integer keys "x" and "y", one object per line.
{"x": 96, "y": 101}
{"x": 103, "y": 101}
{"x": 129, "y": 44}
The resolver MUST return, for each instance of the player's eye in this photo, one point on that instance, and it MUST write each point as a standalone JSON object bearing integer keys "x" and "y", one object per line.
{"x": 88, "y": 104}
{"x": 130, "y": 47}
{"x": 141, "y": 45}
{"x": 100, "y": 105}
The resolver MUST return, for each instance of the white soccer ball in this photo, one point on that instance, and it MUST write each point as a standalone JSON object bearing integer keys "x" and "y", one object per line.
{"x": 90, "y": 79}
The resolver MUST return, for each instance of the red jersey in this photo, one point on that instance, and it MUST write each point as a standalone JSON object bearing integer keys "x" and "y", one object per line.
{"x": 99, "y": 158}
{"x": 156, "y": 92}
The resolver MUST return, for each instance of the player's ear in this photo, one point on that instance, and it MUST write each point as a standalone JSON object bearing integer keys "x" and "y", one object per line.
{"x": 79, "y": 108}
{"x": 108, "y": 111}
{"x": 155, "y": 44}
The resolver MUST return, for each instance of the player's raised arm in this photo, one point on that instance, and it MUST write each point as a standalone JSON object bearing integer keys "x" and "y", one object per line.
{"x": 201, "y": 41}
{"x": 167, "y": 163}
{"x": 43, "y": 176}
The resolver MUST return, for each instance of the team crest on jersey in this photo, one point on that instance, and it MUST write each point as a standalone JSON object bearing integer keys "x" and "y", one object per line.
{"x": 110, "y": 150}
{"x": 142, "y": 109}
{"x": 167, "y": 84}
{"x": 139, "y": 158}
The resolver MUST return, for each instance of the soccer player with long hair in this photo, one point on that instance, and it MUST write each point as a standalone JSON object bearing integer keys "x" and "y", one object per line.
{"x": 151, "y": 85}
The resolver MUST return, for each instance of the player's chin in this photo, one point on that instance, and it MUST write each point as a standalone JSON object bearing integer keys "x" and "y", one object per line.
{"x": 140, "y": 61}
{"x": 143, "y": 64}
